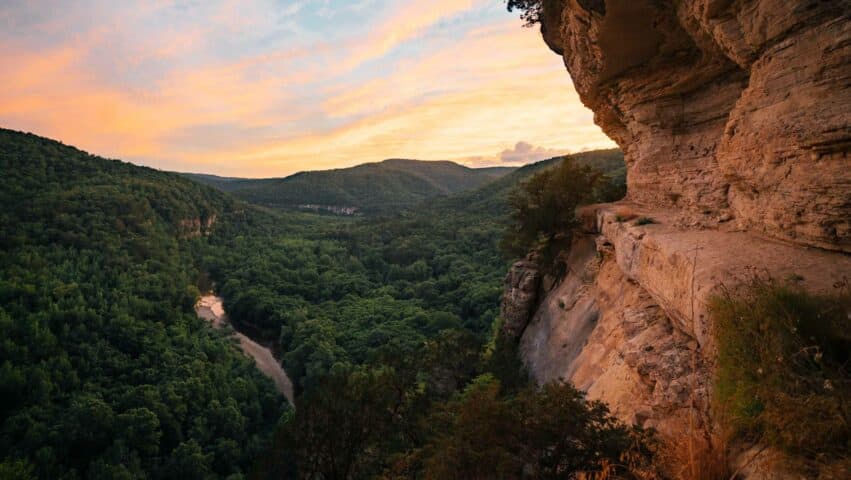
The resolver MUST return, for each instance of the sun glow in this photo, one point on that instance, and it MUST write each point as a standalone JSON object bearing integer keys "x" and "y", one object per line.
{"x": 265, "y": 89}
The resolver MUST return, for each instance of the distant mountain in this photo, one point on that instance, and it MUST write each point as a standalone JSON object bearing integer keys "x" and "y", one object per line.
{"x": 370, "y": 188}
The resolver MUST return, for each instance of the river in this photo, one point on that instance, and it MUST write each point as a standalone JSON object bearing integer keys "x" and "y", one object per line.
{"x": 210, "y": 308}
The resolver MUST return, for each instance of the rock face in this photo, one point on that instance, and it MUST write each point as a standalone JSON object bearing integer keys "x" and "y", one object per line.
{"x": 520, "y": 298}
{"x": 629, "y": 322}
{"x": 734, "y": 119}
{"x": 195, "y": 227}
{"x": 609, "y": 337}
{"x": 735, "y": 107}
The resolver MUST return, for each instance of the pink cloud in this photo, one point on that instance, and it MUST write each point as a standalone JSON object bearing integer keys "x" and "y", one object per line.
{"x": 524, "y": 152}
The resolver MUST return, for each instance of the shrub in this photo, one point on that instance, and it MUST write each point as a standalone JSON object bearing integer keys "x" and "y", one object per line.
{"x": 782, "y": 375}
{"x": 644, "y": 221}
{"x": 547, "y": 433}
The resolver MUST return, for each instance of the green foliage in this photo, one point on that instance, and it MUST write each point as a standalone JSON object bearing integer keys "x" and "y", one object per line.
{"x": 533, "y": 11}
{"x": 16, "y": 470}
{"x": 782, "y": 376}
{"x": 105, "y": 372}
{"x": 552, "y": 432}
{"x": 332, "y": 291}
{"x": 545, "y": 205}
{"x": 644, "y": 221}
{"x": 530, "y": 10}
{"x": 371, "y": 188}
{"x": 385, "y": 314}
{"x": 434, "y": 415}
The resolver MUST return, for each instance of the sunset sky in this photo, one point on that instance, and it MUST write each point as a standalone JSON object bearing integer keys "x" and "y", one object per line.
{"x": 268, "y": 88}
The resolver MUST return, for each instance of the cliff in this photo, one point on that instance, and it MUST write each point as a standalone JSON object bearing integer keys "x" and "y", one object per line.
{"x": 723, "y": 108}
{"x": 733, "y": 116}
{"x": 196, "y": 227}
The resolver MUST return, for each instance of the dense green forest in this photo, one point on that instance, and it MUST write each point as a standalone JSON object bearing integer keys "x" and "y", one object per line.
{"x": 333, "y": 290}
{"x": 369, "y": 188}
{"x": 387, "y": 324}
{"x": 104, "y": 369}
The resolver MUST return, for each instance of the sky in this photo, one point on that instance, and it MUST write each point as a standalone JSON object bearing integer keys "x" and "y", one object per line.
{"x": 267, "y": 88}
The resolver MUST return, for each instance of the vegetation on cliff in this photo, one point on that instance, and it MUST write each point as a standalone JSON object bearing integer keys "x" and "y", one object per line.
{"x": 530, "y": 10}
{"x": 544, "y": 207}
{"x": 783, "y": 374}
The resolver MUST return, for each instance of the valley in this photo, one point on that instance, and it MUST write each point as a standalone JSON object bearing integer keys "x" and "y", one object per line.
{"x": 671, "y": 301}
{"x": 209, "y": 308}
{"x": 387, "y": 311}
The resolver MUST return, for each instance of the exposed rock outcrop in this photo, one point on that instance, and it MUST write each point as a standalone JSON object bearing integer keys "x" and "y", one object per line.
{"x": 609, "y": 337}
{"x": 629, "y": 322}
{"x": 734, "y": 119}
{"x": 740, "y": 107}
{"x": 196, "y": 227}
{"x": 520, "y": 297}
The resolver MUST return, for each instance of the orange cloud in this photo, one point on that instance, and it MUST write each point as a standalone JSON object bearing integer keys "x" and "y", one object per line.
{"x": 403, "y": 24}
{"x": 474, "y": 97}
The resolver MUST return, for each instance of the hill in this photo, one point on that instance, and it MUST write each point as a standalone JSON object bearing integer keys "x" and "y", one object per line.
{"x": 386, "y": 186}
{"x": 492, "y": 199}
{"x": 105, "y": 371}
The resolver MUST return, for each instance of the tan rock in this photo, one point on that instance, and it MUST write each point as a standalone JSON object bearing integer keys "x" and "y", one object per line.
{"x": 723, "y": 105}
{"x": 609, "y": 337}
{"x": 734, "y": 119}
{"x": 520, "y": 297}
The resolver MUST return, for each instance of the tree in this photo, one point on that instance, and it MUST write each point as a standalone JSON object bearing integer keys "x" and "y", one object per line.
{"x": 340, "y": 426}
{"x": 551, "y": 433}
{"x": 531, "y": 10}
{"x": 545, "y": 205}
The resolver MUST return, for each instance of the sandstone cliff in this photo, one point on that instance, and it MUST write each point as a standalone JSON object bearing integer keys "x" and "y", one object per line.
{"x": 196, "y": 227}
{"x": 723, "y": 108}
{"x": 734, "y": 119}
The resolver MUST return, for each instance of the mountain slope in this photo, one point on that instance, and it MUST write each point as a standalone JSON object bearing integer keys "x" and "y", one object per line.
{"x": 492, "y": 198}
{"x": 105, "y": 372}
{"x": 372, "y": 187}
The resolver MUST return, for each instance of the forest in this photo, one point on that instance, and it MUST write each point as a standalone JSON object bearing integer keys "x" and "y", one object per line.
{"x": 105, "y": 371}
{"x": 369, "y": 188}
{"x": 387, "y": 324}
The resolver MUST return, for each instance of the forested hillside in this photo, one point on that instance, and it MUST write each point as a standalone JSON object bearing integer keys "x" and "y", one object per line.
{"x": 337, "y": 290}
{"x": 385, "y": 323}
{"x": 492, "y": 199}
{"x": 387, "y": 186}
{"x": 104, "y": 370}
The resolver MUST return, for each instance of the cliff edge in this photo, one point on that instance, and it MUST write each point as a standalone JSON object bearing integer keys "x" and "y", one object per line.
{"x": 734, "y": 120}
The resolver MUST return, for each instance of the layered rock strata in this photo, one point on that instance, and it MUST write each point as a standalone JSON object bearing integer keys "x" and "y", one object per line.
{"x": 735, "y": 120}
{"x": 738, "y": 107}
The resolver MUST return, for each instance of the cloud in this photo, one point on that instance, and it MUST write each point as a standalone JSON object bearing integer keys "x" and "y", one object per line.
{"x": 404, "y": 24}
{"x": 233, "y": 88}
{"x": 525, "y": 152}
